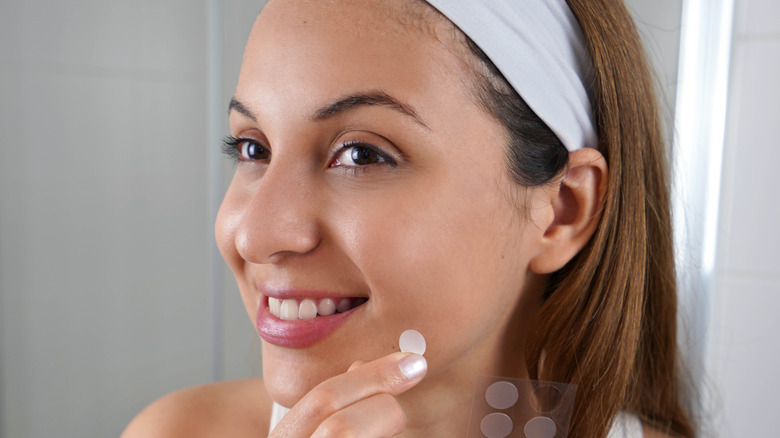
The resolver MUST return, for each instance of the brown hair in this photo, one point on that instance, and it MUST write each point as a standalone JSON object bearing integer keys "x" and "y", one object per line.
{"x": 608, "y": 322}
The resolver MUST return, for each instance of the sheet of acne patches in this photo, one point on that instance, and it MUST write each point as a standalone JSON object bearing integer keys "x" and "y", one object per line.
{"x": 505, "y": 407}
{"x": 508, "y": 407}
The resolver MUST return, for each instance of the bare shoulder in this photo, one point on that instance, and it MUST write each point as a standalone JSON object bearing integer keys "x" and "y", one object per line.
{"x": 235, "y": 408}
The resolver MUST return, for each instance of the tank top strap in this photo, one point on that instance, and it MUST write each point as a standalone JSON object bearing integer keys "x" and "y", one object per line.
{"x": 626, "y": 425}
{"x": 277, "y": 413}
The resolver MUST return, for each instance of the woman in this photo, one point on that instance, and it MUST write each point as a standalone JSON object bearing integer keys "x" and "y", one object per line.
{"x": 392, "y": 167}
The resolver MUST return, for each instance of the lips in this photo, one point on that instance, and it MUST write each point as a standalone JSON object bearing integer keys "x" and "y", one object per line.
{"x": 302, "y": 322}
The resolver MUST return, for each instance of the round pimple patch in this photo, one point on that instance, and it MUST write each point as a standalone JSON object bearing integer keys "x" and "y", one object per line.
{"x": 540, "y": 427}
{"x": 501, "y": 395}
{"x": 546, "y": 398}
{"x": 411, "y": 341}
{"x": 496, "y": 425}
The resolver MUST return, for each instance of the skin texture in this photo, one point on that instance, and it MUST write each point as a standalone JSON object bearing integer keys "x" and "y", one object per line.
{"x": 452, "y": 243}
{"x": 432, "y": 231}
{"x": 454, "y": 246}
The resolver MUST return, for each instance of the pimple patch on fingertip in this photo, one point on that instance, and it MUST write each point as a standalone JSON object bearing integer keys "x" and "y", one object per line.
{"x": 411, "y": 341}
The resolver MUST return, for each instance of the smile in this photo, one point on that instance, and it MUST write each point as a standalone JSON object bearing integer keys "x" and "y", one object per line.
{"x": 304, "y": 321}
{"x": 310, "y": 308}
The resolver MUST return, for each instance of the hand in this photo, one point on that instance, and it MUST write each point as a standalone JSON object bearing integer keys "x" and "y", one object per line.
{"x": 360, "y": 403}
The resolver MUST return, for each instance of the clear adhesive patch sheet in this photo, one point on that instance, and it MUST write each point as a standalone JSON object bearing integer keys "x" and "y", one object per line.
{"x": 507, "y": 407}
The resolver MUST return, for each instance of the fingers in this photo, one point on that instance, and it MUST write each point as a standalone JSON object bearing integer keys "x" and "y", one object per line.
{"x": 356, "y": 364}
{"x": 393, "y": 374}
{"x": 354, "y": 397}
{"x": 377, "y": 416}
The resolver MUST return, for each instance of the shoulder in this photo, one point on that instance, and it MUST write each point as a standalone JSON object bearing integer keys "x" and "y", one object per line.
{"x": 234, "y": 408}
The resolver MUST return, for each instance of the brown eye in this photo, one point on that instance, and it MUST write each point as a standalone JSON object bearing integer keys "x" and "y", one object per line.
{"x": 362, "y": 156}
{"x": 251, "y": 151}
{"x": 353, "y": 155}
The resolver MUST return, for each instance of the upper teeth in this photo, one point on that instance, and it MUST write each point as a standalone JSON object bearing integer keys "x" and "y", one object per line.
{"x": 292, "y": 310}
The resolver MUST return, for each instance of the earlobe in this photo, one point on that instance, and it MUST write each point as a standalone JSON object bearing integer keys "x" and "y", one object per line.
{"x": 576, "y": 203}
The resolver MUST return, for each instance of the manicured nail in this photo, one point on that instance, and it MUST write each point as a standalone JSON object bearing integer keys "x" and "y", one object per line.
{"x": 413, "y": 366}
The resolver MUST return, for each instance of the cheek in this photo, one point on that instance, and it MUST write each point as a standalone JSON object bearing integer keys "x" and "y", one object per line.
{"x": 225, "y": 230}
{"x": 431, "y": 260}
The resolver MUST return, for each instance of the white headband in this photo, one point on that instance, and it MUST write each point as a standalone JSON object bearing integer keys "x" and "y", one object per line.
{"x": 539, "y": 47}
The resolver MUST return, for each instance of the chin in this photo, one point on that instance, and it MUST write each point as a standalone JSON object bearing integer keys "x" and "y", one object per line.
{"x": 289, "y": 375}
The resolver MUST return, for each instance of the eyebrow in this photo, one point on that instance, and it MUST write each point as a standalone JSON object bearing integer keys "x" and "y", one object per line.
{"x": 239, "y": 107}
{"x": 371, "y": 98}
{"x": 346, "y": 104}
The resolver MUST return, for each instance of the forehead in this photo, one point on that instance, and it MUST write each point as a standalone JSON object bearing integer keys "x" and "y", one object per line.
{"x": 405, "y": 13}
{"x": 309, "y": 51}
{"x": 392, "y": 23}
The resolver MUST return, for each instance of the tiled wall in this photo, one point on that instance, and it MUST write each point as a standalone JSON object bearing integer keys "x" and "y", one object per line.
{"x": 105, "y": 228}
{"x": 744, "y": 350}
{"x": 658, "y": 23}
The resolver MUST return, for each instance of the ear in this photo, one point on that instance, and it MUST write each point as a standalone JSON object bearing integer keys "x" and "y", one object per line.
{"x": 576, "y": 203}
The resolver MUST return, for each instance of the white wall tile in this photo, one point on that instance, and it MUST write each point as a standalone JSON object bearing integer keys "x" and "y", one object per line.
{"x": 749, "y": 237}
{"x": 238, "y": 17}
{"x": 133, "y": 36}
{"x": 745, "y": 325}
{"x": 744, "y": 354}
{"x": 105, "y": 251}
{"x": 757, "y": 17}
{"x": 105, "y": 229}
{"x": 659, "y": 24}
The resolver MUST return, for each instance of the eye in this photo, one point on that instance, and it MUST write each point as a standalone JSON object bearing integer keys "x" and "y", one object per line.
{"x": 355, "y": 154}
{"x": 244, "y": 149}
{"x": 249, "y": 150}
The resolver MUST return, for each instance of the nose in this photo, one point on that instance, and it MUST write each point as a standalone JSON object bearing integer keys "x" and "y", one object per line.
{"x": 280, "y": 217}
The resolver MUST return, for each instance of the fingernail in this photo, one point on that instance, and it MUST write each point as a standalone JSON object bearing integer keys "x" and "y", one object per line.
{"x": 413, "y": 366}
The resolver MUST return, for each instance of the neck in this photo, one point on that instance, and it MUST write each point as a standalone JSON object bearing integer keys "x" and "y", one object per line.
{"x": 441, "y": 404}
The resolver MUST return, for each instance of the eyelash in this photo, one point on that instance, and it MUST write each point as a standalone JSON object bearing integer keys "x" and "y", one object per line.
{"x": 386, "y": 158}
{"x": 230, "y": 147}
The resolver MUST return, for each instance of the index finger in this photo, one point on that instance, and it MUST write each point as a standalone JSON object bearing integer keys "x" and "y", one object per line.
{"x": 393, "y": 374}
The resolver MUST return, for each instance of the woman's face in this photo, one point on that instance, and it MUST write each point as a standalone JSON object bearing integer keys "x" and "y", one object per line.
{"x": 368, "y": 172}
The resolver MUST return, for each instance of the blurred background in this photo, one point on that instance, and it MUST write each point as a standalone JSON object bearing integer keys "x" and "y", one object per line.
{"x": 112, "y": 292}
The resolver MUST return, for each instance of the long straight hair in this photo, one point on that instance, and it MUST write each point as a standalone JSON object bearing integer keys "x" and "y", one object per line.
{"x": 609, "y": 323}
{"x": 608, "y": 320}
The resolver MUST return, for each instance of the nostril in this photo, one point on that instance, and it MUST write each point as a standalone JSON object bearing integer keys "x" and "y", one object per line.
{"x": 271, "y": 226}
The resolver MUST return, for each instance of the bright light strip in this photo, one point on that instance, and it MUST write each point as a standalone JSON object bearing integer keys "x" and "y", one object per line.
{"x": 700, "y": 119}
{"x": 702, "y": 89}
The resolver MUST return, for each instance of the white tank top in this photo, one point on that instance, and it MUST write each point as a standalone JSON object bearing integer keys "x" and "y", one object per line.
{"x": 277, "y": 413}
{"x": 625, "y": 425}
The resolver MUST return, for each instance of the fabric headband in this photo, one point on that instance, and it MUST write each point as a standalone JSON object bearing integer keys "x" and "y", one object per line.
{"x": 539, "y": 47}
